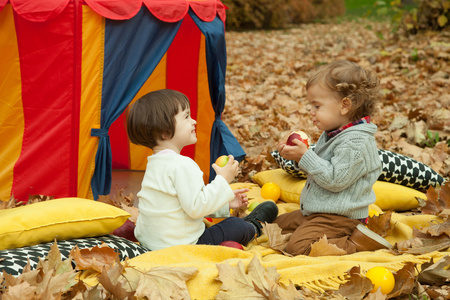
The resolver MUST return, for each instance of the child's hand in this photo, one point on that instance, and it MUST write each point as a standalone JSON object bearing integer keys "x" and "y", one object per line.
{"x": 240, "y": 199}
{"x": 292, "y": 152}
{"x": 229, "y": 171}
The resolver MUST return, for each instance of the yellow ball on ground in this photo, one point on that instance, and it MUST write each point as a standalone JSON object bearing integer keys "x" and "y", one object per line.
{"x": 381, "y": 278}
{"x": 271, "y": 191}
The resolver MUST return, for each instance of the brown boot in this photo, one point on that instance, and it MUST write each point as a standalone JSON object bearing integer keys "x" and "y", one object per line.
{"x": 367, "y": 240}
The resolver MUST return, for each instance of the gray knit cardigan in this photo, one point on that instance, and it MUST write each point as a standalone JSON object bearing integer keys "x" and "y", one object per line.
{"x": 341, "y": 172}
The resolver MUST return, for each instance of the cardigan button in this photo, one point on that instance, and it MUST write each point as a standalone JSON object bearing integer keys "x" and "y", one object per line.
{"x": 301, "y": 206}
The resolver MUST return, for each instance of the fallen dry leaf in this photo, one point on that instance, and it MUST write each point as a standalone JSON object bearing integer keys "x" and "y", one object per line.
{"x": 276, "y": 240}
{"x": 405, "y": 280}
{"x": 133, "y": 211}
{"x": 357, "y": 285}
{"x": 436, "y": 228}
{"x": 21, "y": 291}
{"x": 38, "y": 198}
{"x": 438, "y": 201}
{"x": 430, "y": 245}
{"x": 381, "y": 224}
{"x": 11, "y": 203}
{"x": 117, "y": 200}
{"x": 408, "y": 244}
{"x": 323, "y": 248}
{"x": 161, "y": 282}
{"x": 435, "y": 273}
{"x": 255, "y": 283}
{"x": 94, "y": 258}
{"x": 51, "y": 278}
{"x": 109, "y": 279}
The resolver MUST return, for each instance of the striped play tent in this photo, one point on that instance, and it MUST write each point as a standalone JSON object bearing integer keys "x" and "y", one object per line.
{"x": 70, "y": 68}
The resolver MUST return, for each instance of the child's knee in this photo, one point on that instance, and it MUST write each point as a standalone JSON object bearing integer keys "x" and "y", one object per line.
{"x": 302, "y": 247}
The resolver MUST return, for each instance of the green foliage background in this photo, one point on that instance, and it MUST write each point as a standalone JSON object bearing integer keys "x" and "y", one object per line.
{"x": 276, "y": 14}
{"x": 408, "y": 16}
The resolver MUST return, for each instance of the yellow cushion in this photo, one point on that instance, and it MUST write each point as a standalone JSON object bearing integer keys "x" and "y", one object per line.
{"x": 390, "y": 196}
{"x": 290, "y": 186}
{"x": 65, "y": 218}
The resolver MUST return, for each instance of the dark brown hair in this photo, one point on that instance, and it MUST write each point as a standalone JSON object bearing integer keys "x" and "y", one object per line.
{"x": 152, "y": 117}
{"x": 351, "y": 81}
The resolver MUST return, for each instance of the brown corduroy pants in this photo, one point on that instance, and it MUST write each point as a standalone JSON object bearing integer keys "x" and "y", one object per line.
{"x": 308, "y": 230}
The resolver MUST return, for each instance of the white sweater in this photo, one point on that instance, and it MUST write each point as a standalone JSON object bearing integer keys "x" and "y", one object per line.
{"x": 174, "y": 199}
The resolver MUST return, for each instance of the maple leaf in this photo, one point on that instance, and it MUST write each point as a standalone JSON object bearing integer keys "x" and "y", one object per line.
{"x": 94, "y": 258}
{"x": 38, "y": 198}
{"x": 438, "y": 201}
{"x": 51, "y": 278}
{"x": 323, "y": 248}
{"x": 52, "y": 284}
{"x": 160, "y": 282}
{"x": 79, "y": 288}
{"x": 404, "y": 281}
{"x": 250, "y": 166}
{"x": 108, "y": 200}
{"x": 277, "y": 241}
{"x": 109, "y": 279}
{"x": 421, "y": 243}
{"x": 133, "y": 211}
{"x": 11, "y": 203}
{"x": 435, "y": 273}
{"x": 381, "y": 224}
{"x": 408, "y": 244}
{"x": 255, "y": 283}
{"x": 356, "y": 286}
{"x": 53, "y": 261}
{"x": 21, "y": 291}
{"x": 436, "y": 228}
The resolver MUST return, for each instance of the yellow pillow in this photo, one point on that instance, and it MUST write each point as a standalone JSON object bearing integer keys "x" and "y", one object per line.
{"x": 65, "y": 218}
{"x": 390, "y": 196}
{"x": 290, "y": 186}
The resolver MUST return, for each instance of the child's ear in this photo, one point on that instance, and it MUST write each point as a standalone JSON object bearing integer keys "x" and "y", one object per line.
{"x": 346, "y": 105}
{"x": 165, "y": 136}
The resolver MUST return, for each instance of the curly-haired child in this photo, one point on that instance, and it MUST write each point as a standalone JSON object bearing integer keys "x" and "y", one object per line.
{"x": 342, "y": 167}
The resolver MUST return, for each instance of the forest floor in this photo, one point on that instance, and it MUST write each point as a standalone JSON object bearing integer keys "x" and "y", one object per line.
{"x": 267, "y": 72}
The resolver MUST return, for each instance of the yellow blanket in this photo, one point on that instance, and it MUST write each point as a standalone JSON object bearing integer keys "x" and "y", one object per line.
{"x": 316, "y": 273}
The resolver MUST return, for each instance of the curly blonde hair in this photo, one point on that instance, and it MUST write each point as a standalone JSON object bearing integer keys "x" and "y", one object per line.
{"x": 351, "y": 81}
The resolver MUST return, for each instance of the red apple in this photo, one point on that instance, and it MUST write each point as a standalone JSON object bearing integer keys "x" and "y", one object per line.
{"x": 126, "y": 231}
{"x": 221, "y": 161}
{"x": 299, "y": 135}
{"x": 232, "y": 244}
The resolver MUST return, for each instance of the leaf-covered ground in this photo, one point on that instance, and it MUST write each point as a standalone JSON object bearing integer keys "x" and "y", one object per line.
{"x": 266, "y": 76}
{"x": 267, "y": 72}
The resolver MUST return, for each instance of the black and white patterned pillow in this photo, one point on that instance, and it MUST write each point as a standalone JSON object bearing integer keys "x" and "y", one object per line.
{"x": 397, "y": 168}
{"x": 12, "y": 261}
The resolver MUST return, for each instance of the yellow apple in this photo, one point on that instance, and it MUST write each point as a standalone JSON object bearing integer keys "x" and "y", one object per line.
{"x": 221, "y": 161}
{"x": 252, "y": 205}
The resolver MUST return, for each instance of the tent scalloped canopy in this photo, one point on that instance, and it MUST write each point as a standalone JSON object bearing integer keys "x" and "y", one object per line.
{"x": 165, "y": 10}
{"x": 69, "y": 73}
